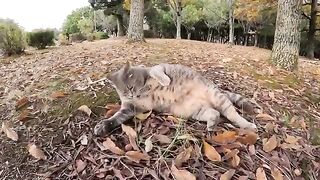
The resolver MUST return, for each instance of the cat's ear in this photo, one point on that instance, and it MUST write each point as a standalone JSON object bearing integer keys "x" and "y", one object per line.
{"x": 127, "y": 66}
{"x": 157, "y": 73}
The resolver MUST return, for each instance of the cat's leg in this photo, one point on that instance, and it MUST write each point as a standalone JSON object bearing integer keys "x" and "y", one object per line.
{"x": 105, "y": 126}
{"x": 221, "y": 102}
{"x": 209, "y": 115}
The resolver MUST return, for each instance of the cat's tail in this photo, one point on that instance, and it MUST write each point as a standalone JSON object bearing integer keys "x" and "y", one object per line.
{"x": 243, "y": 103}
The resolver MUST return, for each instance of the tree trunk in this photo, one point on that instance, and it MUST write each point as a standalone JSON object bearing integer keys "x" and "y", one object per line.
{"x": 312, "y": 30}
{"x": 285, "y": 51}
{"x": 189, "y": 35}
{"x": 135, "y": 33}
{"x": 231, "y": 22}
{"x": 179, "y": 20}
{"x": 256, "y": 39}
{"x": 120, "y": 25}
{"x": 246, "y": 37}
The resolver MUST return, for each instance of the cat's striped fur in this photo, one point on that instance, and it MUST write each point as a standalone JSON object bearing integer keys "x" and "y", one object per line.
{"x": 174, "y": 89}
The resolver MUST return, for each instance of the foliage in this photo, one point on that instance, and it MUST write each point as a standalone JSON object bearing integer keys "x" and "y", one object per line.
{"x": 71, "y": 24}
{"x": 63, "y": 40}
{"x": 85, "y": 26}
{"x": 77, "y": 37}
{"x": 215, "y": 12}
{"x": 191, "y": 14}
{"x": 100, "y": 35}
{"x": 12, "y": 38}
{"x": 40, "y": 38}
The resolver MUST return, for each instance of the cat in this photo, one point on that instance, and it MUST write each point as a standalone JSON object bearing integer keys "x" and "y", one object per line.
{"x": 174, "y": 89}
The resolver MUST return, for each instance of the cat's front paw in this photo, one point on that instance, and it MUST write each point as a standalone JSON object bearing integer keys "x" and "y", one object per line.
{"x": 104, "y": 127}
{"x": 249, "y": 125}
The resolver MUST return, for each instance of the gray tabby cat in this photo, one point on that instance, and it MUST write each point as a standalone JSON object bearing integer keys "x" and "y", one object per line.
{"x": 174, "y": 89}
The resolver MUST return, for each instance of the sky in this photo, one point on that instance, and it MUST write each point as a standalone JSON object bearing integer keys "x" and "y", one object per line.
{"x": 34, "y": 14}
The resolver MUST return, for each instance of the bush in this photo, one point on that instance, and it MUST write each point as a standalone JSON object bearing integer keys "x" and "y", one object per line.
{"x": 41, "y": 38}
{"x": 12, "y": 38}
{"x": 91, "y": 37}
{"x": 77, "y": 37}
{"x": 63, "y": 40}
{"x": 101, "y": 35}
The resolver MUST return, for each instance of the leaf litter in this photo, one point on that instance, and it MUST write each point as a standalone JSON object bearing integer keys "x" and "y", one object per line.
{"x": 137, "y": 149}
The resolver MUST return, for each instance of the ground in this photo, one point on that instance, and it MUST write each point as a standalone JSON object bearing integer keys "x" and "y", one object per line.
{"x": 41, "y": 91}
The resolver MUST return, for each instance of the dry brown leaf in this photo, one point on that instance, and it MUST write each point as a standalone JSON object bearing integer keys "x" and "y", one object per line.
{"x": 85, "y": 109}
{"x": 225, "y": 138}
{"x": 264, "y": 117}
{"x": 270, "y": 144}
{"x": 80, "y": 165}
{"x": 163, "y": 139}
{"x": 143, "y": 116}
{"x": 276, "y": 174}
{"x": 292, "y": 139}
{"x": 181, "y": 174}
{"x": 173, "y": 119}
{"x": 110, "y": 145}
{"x": 148, "y": 144}
{"x": 260, "y": 174}
{"x": 136, "y": 156}
{"x": 183, "y": 156}
{"x": 132, "y": 134}
{"x": 36, "y": 152}
{"x": 247, "y": 137}
{"x": 58, "y": 94}
{"x": 25, "y": 115}
{"x": 22, "y": 102}
{"x": 232, "y": 156}
{"x": 227, "y": 175}
{"x": 10, "y": 133}
{"x": 210, "y": 152}
{"x": 112, "y": 109}
{"x": 290, "y": 146}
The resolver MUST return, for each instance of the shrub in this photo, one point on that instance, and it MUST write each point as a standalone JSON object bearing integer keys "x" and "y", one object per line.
{"x": 77, "y": 37}
{"x": 41, "y": 38}
{"x": 63, "y": 40}
{"x": 12, "y": 38}
{"x": 101, "y": 35}
{"x": 90, "y": 36}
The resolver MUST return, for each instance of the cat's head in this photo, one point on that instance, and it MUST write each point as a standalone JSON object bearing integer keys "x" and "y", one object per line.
{"x": 129, "y": 80}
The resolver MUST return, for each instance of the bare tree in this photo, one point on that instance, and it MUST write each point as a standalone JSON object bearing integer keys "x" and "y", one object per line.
{"x": 231, "y": 22}
{"x": 175, "y": 6}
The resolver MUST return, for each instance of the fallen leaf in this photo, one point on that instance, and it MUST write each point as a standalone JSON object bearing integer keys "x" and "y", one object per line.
{"x": 10, "y": 133}
{"x": 290, "y": 146}
{"x": 148, "y": 144}
{"x": 110, "y": 145}
{"x": 188, "y": 137}
{"x": 22, "y": 102}
{"x": 181, "y": 174}
{"x": 297, "y": 172}
{"x": 112, "y": 109}
{"x": 264, "y": 117}
{"x": 292, "y": 139}
{"x": 260, "y": 174}
{"x": 25, "y": 115}
{"x": 118, "y": 174}
{"x": 36, "y": 152}
{"x": 84, "y": 140}
{"x": 163, "y": 139}
{"x": 80, "y": 165}
{"x": 225, "y": 138}
{"x": 247, "y": 137}
{"x": 232, "y": 156}
{"x": 56, "y": 95}
{"x": 276, "y": 174}
{"x": 136, "y": 156}
{"x": 227, "y": 175}
{"x": 173, "y": 119}
{"x": 270, "y": 144}
{"x": 85, "y": 109}
{"x": 183, "y": 156}
{"x": 143, "y": 116}
{"x": 210, "y": 152}
{"x": 252, "y": 150}
{"x": 132, "y": 134}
